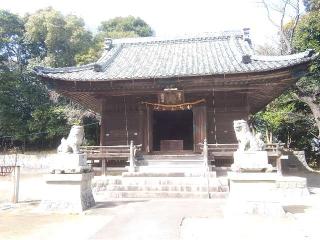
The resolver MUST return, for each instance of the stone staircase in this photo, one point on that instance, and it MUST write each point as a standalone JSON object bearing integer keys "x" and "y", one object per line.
{"x": 171, "y": 163}
{"x": 160, "y": 185}
{"x": 181, "y": 175}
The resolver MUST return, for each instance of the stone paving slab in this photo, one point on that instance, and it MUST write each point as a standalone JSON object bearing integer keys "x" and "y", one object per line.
{"x": 245, "y": 228}
{"x": 155, "y": 219}
{"x": 24, "y": 222}
{"x": 184, "y": 219}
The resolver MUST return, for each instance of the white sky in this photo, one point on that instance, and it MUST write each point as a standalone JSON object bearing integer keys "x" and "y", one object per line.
{"x": 166, "y": 17}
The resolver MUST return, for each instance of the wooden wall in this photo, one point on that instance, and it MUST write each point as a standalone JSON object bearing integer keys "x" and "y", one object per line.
{"x": 226, "y": 107}
{"x": 125, "y": 119}
{"x": 120, "y": 119}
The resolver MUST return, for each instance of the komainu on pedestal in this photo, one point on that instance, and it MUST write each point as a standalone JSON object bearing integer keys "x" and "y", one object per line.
{"x": 250, "y": 155}
{"x": 68, "y": 186}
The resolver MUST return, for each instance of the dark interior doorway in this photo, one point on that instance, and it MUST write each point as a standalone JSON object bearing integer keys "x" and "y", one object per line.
{"x": 173, "y": 125}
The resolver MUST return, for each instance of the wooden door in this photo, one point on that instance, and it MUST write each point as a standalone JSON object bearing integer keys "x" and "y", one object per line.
{"x": 199, "y": 125}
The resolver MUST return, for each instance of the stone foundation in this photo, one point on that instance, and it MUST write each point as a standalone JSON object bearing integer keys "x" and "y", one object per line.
{"x": 70, "y": 163}
{"x": 251, "y": 161}
{"x": 264, "y": 193}
{"x": 71, "y": 193}
{"x": 160, "y": 187}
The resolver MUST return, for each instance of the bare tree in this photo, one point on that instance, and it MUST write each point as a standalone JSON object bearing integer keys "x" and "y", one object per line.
{"x": 289, "y": 13}
{"x": 279, "y": 14}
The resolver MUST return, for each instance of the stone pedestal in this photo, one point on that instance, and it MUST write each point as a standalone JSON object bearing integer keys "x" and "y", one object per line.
{"x": 70, "y": 163}
{"x": 70, "y": 193}
{"x": 251, "y": 161}
{"x": 264, "y": 193}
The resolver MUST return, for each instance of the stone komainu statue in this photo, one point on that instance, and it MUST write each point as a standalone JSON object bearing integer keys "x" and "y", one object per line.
{"x": 246, "y": 140}
{"x": 73, "y": 142}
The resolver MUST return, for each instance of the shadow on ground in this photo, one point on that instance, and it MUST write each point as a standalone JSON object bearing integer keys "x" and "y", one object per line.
{"x": 111, "y": 204}
{"x": 295, "y": 208}
{"x": 297, "y": 166}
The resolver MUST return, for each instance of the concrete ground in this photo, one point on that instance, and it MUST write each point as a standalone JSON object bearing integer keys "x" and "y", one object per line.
{"x": 141, "y": 219}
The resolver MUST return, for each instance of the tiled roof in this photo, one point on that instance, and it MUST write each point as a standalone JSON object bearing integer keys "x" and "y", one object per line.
{"x": 153, "y": 57}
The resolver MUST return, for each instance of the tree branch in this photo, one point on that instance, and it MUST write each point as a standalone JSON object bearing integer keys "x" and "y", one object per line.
{"x": 296, "y": 20}
{"x": 268, "y": 14}
{"x": 280, "y": 27}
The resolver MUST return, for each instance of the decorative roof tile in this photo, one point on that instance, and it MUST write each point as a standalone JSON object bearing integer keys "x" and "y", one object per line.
{"x": 154, "y": 57}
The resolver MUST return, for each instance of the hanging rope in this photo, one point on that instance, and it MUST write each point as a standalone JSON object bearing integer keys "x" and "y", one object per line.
{"x": 173, "y": 107}
{"x": 126, "y": 119}
{"x": 214, "y": 118}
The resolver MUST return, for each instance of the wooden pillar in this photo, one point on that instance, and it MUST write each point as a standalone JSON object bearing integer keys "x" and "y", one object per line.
{"x": 205, "y": 153}
{"x": 131, "y": 158}
{"x": 199, "y": 125}
{"x": 141, "y": 126}
{"x": 103, "y": 124}
{"x": 103, "y": 135}
{"x": 149, "y": 132}
{"x": 15, "y": 180}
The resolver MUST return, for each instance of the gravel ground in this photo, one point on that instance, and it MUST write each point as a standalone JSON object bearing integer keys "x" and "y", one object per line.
{"x": 30, "y": 187}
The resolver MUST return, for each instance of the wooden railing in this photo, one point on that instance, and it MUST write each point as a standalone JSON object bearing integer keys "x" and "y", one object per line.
{"x": 211, "y": 151}
{"x": 274, "y": 149}
{"x": 6, "y": 170}
{"x": 110, "y": 153}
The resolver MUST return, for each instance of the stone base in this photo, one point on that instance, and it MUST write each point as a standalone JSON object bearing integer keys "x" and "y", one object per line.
{"x": 69, "y": 193}
{"x": 251, "y": 161}
{"x": 264, "y": 193}
{"x": 70, "y": 163}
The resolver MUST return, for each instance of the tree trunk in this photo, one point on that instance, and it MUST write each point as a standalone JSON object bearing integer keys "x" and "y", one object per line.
{"x": 314, "y": 107}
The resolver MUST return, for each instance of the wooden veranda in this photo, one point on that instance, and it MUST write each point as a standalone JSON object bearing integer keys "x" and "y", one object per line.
{"x": 218, "y": 155}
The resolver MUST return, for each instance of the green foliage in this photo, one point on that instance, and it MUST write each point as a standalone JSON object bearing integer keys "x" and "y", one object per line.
{"x": 308, "y": 32}
{"x": 91, "y": 130}
{"x": 289, "y": 121}
{"x": 57, "y": 39}
{"x": 274, "y": 116}
{"x": 312, "y": 5}
{"x": 119, "y": 27}
{"x": 11, "y": 37}
{"x": 308, "y": 37}
{"x": 122, "y": 27}
{"x": 21, "y": 94}
{"x": 92, "y": 54}
{"x": 48, "y": 38}
{"x": 49, "y": 124}
{"x": 294, "y": 118}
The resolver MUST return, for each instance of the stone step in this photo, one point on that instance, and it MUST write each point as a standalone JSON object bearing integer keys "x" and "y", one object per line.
{"x": 157, "y": 194}
{"x": 170, "y": 169}
{"x": 172, "y": 157}
{"x": 169, "y": 174}
{"x": 168, "y": 188}
{"x": 172, "y": 162}
{"x": 101, "y": 184}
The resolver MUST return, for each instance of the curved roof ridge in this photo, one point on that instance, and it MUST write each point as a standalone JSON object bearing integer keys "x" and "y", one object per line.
{"x": 181, "y": 38}
{"x": 107, "y": 58}
{"x": 45, "y": 70}
{"x": 165, "y": 60}
{"x": 306, "y": 54}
